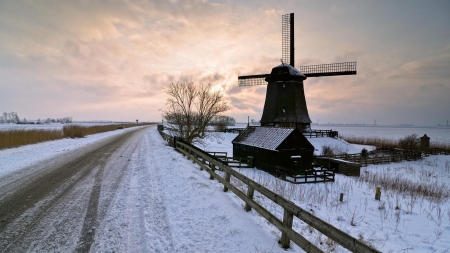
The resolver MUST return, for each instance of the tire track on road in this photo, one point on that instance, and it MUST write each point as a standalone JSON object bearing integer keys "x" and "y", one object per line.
{"x": 23, "y": 211}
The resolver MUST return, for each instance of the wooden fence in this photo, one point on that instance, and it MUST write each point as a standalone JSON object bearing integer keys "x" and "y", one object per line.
{"x": 318, "y": 174}
{"x": 321, "y": 133}
{"x": 382, "y": 159}
{"x": 209, "y": 164}
{"x": 235, "y": 162}
{"x": 234, "y": 130}
{"x": 438, "y": 151}
{"x": 167, "y": 137}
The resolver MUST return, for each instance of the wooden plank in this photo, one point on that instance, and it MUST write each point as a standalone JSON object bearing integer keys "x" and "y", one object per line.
{"x": 288, "y": 219}
{"x": 250, "y": 193}
{"x": 213, "y": 168}
{"x": 227, "y": 178}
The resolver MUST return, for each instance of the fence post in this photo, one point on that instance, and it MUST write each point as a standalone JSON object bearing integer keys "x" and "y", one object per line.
{"x": 341, "y": 197}
{"x": 288, "y": 218}
{"x": 377, "y": 193}
{"x": 213, "y": 168}
{"x": 250, "y": 192}
{"x": 227, "y": 178}
{"x": 203, "y": 161}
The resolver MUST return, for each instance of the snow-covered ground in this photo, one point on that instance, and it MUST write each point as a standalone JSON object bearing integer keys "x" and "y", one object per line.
{"x": 164, "y": 203}
{"x": 16, "y": 158}
{"x": 437, "y": 134}
{"x": 403, "y": 221}
{"x": 172, "y": 206}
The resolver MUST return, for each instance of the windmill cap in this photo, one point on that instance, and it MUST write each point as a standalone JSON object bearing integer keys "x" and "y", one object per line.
{"x": 285, "y": 72}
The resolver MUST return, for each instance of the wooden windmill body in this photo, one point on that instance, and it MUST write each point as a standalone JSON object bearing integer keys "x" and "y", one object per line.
{"x": 285, "y": 104}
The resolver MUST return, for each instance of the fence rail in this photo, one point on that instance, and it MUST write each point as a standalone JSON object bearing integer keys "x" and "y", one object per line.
{"x": 234, "y": 130}
{"x": 167, "y": 137}
{"x": 209, "y": 164}
{"x": 399, "y": 156}
{"x": 438, "y": 151}
{"x": 321, "y": 133}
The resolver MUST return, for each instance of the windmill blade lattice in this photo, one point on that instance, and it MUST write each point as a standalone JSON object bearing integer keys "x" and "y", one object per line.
{"x": 252, "y": 80}
{"x": 333, "y": 69}
{"x": 287, "y": 40}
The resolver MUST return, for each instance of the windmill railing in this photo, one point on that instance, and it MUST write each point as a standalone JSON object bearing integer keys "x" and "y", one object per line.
{"x": 210, "y": 164}
{"x": 342, "y": 68}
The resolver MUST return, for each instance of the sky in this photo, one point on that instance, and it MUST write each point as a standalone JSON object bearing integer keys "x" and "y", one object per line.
{"x": 111, "y": 60}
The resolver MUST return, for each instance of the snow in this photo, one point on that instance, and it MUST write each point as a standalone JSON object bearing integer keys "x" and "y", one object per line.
{"x": 166, "y": 204}
{"x": 293, "y": 71}
{"x": 17, "y": 158}
{"x": 223, "y": 144}
{"x": 419, "y": 224}
{"x": 437, "y": 134}
{"x": 338, "y": 145}
{"x": 163, "y": 204}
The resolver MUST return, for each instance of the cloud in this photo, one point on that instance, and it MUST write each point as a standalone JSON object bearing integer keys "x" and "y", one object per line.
{"x": 94, "y": 59}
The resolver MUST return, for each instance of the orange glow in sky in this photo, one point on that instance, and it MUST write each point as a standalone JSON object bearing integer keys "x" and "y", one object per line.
{"x": 103, "y": 60}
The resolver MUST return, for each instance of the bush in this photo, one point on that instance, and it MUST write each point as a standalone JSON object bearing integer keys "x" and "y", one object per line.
{"x": 327, "y": 151}
{"x": 364, "y": 153}
{"x": 409, "y": 142}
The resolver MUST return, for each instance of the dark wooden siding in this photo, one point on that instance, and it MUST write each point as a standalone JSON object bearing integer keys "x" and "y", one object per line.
{"x": 294, "y": 144}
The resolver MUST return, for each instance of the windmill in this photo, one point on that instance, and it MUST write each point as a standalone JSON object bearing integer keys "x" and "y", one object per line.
{"x": 285, "y": 104}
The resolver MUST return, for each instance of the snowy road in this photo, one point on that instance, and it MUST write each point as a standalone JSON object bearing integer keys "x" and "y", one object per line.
{"x": 125, "y": 193}
{"x": 57, "y": 204}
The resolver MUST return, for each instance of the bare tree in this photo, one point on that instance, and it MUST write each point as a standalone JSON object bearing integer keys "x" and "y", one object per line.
{"x": 190, "y": 108}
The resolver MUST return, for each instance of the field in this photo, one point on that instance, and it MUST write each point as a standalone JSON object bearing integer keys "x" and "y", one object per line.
{"x": 413, "y": 214}
{"x": 436, "y": 134}
{"x": 13, "y": 135}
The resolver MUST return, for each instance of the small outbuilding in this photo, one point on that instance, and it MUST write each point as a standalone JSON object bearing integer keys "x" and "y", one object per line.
{"x": 273, "y": 148}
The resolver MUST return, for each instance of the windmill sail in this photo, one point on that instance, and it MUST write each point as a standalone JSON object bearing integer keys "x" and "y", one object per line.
{"x": 333, "y": 69}
{"x": 252, "y": 80}
{"x": 287, "y": 41}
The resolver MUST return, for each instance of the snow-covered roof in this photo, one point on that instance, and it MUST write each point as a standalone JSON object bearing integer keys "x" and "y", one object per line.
{"x": 293, "y": 71}
{"x": 263, "y": 137}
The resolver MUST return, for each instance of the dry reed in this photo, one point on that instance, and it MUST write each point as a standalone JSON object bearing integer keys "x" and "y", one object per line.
{"x": 18, "y": 137}
{"x": 373, "y": 141}
{"x": 386, "y": 143}
{"x": 77, "y": 131}
{"x": 12, "y": 138}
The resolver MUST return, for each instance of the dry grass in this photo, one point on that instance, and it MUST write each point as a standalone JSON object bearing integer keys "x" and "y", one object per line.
{"x": 441, "y": 145}
{"x": 373, "y": 141}
{"x": 388, "y": 143}
{"x": 437, "y": 192}
{"x": 19, "y": 137}
{"x": 77, "y": 131}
